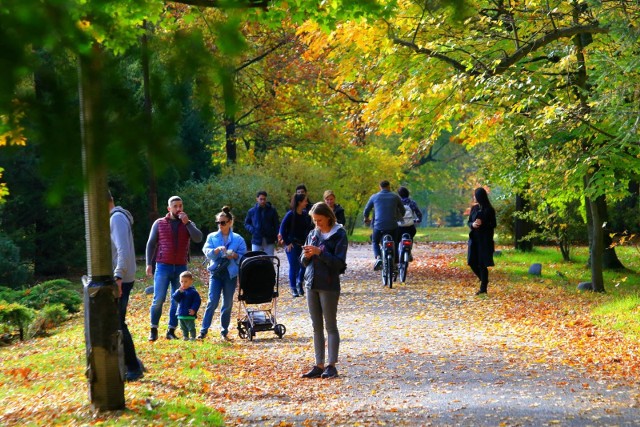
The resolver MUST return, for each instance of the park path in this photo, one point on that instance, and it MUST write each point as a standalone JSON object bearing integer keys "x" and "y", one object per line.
{"x": 424, "y": 353}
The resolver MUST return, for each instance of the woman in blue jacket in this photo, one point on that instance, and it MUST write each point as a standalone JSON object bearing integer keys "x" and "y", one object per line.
{"x": 223, "y": 249}
{"x": 324, "y": 255}
{"x": 294, "y": 229}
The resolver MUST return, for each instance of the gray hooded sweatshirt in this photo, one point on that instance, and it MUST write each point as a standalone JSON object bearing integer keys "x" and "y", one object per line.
{"x": 123, "y": 253}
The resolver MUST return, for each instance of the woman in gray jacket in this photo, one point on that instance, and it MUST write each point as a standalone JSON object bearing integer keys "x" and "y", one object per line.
{"x": 324, "y": 256}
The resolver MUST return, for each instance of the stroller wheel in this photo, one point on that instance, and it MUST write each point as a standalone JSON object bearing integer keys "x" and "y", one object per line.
{"x": 250, "y": 333}
{"x": 280, "y": 330}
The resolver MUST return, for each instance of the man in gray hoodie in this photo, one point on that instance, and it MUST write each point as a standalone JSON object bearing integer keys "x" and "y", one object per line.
{"x": 387, "y": 210}
{"x": 124, "y": 272}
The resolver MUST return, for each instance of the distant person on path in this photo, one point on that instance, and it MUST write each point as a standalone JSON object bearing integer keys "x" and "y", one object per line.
{"x": 412, "y": 214}
{"x": 294, "y": 229}
{"x": 387, "y": 210}
{"x": 168, "y": 244}
{"x": 263, "y": 223}
{"x": 482, "y": 222}
{"x": 223, "y": 249}
{"x": 324, "y": 256}
{"x": 330, "y": 199}
{"x": 302, "y": 189}
{"x": 188, "y": 300}
{"x": 123, "y": 257}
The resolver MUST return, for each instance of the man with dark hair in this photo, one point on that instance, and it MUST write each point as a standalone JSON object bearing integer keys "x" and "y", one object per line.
{"x": 263, "y": 223}
{"x": 168, "y": 244}
{"x": 124, "y": 272}
{"x": 387, "y": 211}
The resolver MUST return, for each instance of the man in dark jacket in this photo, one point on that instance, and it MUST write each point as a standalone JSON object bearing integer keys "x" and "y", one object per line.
{"x": 263, "y": 223}
{"x": 387, "y": 210}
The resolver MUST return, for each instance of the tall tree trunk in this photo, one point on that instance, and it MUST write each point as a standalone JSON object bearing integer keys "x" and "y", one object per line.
{"x": 522, "y": 227}
{"x": 230, "y": 138}
{"x": 610, "y": 259}
{"x": 102, "y": 327}
{"x": 596, "y": 247}
{"x": 152, "y": 194}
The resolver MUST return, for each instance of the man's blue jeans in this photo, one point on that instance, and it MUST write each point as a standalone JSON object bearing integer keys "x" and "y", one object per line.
{"x": 225, "y": 287}
{"x": 165, "y": 275}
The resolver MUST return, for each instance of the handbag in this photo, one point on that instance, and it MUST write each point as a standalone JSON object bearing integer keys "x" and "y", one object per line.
{"x": 220, "y": 268}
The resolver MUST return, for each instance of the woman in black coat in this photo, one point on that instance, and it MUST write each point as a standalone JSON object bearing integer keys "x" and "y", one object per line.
{"x": 482, "y": 222}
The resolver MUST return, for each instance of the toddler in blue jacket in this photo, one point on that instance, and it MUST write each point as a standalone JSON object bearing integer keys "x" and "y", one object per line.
{"x": 188, "y": 300}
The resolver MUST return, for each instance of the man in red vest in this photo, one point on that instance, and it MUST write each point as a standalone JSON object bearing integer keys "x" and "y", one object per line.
{"x": 168, "y": 245}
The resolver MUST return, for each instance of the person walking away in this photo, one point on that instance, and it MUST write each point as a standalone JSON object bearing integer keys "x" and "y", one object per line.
{"x": 188, "y": 300}
{"x": 168, "y": 245}
{"x": 294, "y": 229}
{"x": 263, "y": 223}
{"x": 412, "y": 216}
{"x": 223, "y": 249}
{"x": 330, "y": 199}
{"x": 387, "y": 210}
{"x": 123, "y": 257}
{"x": 482, "y": 223}
{"x": 324, "y": 256}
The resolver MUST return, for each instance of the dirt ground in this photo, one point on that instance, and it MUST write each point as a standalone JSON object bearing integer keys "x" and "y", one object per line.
{"x": 424, "y": 353}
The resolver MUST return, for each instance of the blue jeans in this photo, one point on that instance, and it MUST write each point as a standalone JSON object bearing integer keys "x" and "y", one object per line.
{"x": 268, "y": 248}
{"x": 225, "y": 287}
{"x": 296, "y": 269}
{"x": 377, "y": 238}
{"x": 130, "y": 358}
{"x": 165, "y": 275}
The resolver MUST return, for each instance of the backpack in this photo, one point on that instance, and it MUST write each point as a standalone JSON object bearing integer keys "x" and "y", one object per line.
{"x": 407, "y": 219}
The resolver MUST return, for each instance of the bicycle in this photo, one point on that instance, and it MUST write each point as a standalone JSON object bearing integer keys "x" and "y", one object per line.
{"x": 404, "y": 257}
{"x": 388, "y": 262}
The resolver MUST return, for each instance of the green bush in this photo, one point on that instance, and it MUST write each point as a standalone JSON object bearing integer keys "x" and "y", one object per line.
{"x": 10, "y": 295}
{"x": 15, "y": 316}
{"x": 13, "y": 273}
{"x": 52, "y": 292}
{"x": 50, "y": 316}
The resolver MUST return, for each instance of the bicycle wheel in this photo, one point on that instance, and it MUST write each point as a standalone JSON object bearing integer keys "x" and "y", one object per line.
{"x": 388, "y": 270}
{"x": 383, "y": 272}
{"x": 403, "y": 266}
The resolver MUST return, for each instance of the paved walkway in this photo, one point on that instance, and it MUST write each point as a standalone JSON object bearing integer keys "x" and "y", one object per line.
{"x": 423, "y": 353}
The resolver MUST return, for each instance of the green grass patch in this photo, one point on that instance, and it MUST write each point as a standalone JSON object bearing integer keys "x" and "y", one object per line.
{"x": 621, "y": 314}
{"x": 424, "y": 234}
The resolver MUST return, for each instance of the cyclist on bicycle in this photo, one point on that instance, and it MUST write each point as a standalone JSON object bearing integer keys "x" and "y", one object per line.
{"x": 387, "y": 211}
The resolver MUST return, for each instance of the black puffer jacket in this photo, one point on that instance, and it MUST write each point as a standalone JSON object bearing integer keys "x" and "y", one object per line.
{"x": 324, "y": 270}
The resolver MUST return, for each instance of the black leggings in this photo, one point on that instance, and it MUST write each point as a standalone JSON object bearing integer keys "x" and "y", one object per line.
{"x": 483, "y": 274}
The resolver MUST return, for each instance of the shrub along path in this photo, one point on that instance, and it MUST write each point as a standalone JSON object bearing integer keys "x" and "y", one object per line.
{"x": 429, "y": 352}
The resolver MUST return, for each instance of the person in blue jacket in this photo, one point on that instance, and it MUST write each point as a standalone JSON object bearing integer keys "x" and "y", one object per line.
{"x": 223, "y": 249}
{"x": 263, "y": 223}
{"x": 294, "y": 228}
{"x": 188, "y": 300}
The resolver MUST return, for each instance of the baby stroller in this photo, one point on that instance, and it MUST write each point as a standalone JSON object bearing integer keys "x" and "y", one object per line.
{"x": 259, "y": 276}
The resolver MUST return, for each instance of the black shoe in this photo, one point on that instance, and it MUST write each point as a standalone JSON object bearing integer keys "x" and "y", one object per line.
{"x": 153, "y": 335}
{"x": 480, "y": 292}
{"x": 377, "y": 266}
{"x": 201, "y": 335}
{"x": 133, "y": 376}
{"x": 410, "y": 257}
{"x": 301, "y": 291}
{"x": 171, "y": 334}
{"x": 295, "y": 294}
{"x": 329, "y": 372}
{"x": 315, "y": 372}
